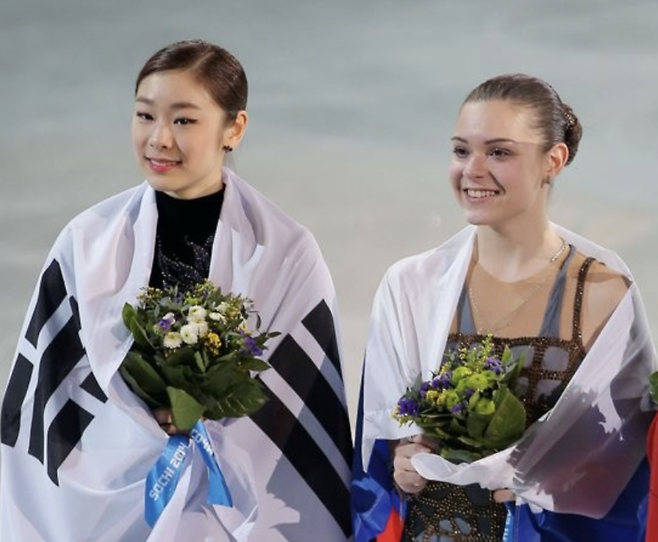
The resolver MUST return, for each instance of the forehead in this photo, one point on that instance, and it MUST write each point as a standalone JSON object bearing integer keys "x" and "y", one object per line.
{"x": 169, "y": 87}
{"x": 495, "y": 119}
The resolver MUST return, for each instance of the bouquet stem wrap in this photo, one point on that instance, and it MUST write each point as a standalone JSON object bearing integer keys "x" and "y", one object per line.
{"x": 163, "y": 478}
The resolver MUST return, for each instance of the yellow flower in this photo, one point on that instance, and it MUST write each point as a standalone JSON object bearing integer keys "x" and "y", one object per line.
{"x": 432, "y": 396}
{"x": 214, "y": 342}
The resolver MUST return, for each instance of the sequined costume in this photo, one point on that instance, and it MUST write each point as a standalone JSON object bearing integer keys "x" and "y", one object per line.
{"x": 598, "y": 424}
{"x": 448, "y": 513}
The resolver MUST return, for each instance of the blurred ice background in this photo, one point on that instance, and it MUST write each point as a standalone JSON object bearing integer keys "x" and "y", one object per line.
{"x": 351, "y": 107}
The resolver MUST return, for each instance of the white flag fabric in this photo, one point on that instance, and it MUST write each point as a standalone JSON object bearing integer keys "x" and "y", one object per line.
{"x": 77, "y": 444}
{"x": 579, "y": 457}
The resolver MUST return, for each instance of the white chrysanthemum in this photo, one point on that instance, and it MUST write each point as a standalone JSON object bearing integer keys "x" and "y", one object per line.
{"x": 172, "y": 340}
{"x": 203, "y": 328}
{"x": 190, "y": 333}
{"x": 222, "y": 307}
{"x": 196, "y": 314}
{"x": 217, "y": 317}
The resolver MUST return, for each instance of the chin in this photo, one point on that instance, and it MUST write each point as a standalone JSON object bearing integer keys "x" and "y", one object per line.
{"x": 159, "y": 185}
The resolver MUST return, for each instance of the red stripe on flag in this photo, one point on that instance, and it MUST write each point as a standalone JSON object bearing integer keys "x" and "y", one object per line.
{"x": 652, "y": 453}
{"x": 393, "y": 531}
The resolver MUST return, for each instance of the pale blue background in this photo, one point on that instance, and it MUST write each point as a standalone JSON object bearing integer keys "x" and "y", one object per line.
{"x": 351, "y": 104}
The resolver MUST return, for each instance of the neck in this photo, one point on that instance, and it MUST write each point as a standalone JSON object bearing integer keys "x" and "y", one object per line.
{"x": 519, "y": 255}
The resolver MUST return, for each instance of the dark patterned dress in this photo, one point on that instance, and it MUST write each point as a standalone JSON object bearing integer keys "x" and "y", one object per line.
{"x": 444, "y": 512}
{"x": 184, "y": 239}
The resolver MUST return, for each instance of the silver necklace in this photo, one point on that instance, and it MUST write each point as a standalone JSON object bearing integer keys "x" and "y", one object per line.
{"x": 507, "y": 319}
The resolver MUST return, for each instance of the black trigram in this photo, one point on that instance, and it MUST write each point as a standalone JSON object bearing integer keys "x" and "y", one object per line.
{"x": 57, "y": 361}
{"x": 287, "y": 432}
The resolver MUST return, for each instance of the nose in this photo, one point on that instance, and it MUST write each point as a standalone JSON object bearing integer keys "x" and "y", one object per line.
{"x": 475, "y": 166}
{"x": 161, "y": 137}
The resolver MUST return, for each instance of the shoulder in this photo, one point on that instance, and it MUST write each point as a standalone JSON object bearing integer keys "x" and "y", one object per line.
{"x": 603, "y": 290}
{"x": 603, "y": 287}
{"x": 414, "y": 268}
{"x": 421, "y": 270}
{"x": 108, "y": 209}
{"x": 98, "y": 217}
{"x": 263, "y": 214}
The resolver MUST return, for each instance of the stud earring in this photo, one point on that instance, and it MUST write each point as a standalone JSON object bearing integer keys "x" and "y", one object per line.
{"x": 227, "y": 148}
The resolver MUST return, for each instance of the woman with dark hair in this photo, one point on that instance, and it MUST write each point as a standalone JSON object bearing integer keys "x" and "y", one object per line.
{"x": 77, "y": 443}
{"x": 566, "y": 303}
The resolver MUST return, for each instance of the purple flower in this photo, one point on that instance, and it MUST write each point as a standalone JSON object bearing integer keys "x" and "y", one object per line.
{"x": 493, "y": 364}
{"x": 423, "y": 389}
{"x": 468, "y": 393}
{"x": 165, "y": 323}
{"x": 407, "y": 407}
{"x": 251, "y": 346}
{"x": 443, "y": 381}
{"x": 457, "y": 408}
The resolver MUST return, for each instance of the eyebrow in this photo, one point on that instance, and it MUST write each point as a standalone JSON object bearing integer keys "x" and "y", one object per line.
{"x": 175, "y": 105}
{"x": 488, "y": 141}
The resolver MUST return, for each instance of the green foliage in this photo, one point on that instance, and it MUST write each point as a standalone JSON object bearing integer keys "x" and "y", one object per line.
{"x": 195, "y": 353}
{"x": 467, "y": 405}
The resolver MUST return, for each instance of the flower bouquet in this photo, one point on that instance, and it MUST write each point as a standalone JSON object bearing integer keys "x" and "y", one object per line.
{"x": 194, "y": 353}
{"x": 468, "y": 405}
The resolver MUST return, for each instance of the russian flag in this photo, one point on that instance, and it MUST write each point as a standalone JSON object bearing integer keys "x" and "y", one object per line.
{"x": 377, "y": 510}
{"x": 652, "y": 454}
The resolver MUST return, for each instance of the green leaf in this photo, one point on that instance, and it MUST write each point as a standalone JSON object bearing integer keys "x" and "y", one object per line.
{"x": 180, "y": 376}
{"x": 474, "y": 443}
{"x": 181, "y": 356}
{"x": 474, "y": 399}
{"x": 220, "y": 378}
{"x": 512, "y": 376}
{"x": 241, "y": 399}
{"x": 459, "y": 455}
{"x": 143, "y": 379}
{"x": 185, "y": 409}
{"x": 139, "y": 334}
{"x": 254, "y": 364}
{"x": 476, "y": 424}
{"x": 508, "y": 421}
{"x": 199, "y": 362}
{"x": 456, "y": 427}
{"x": 231, "y": 356}
{"x": 435, "y": 431}
{"x": 128, "y": 314}
{"x": 137, "y": 389}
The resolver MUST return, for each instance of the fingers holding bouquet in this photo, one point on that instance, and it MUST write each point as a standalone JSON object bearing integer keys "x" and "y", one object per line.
{"x": 404, "y": 474}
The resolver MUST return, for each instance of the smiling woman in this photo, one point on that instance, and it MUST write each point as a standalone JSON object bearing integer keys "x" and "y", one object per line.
{"x": 564, "y": 304}
{"x": 176, "y": 137}
{"x": 85, "y": 458}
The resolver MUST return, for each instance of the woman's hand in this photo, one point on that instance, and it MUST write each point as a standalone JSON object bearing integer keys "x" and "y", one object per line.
{"x": 404, "y": 474}
{"x": 503, "y": 495}
{"x": 163, "y": 417}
